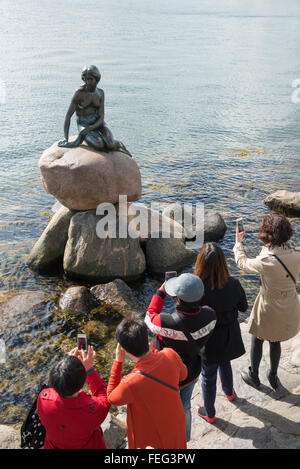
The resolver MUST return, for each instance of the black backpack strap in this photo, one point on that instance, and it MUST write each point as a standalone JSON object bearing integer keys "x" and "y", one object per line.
{"x": 285, "y": 267}
{"x": 155, "y": 379}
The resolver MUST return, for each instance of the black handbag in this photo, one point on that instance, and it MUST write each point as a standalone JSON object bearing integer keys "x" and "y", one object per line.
{"x": 32, "y": 431}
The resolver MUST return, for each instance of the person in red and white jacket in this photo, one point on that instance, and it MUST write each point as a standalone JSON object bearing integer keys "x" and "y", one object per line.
{"x": 198, "y": 320}
{"x": 71, "y": 417}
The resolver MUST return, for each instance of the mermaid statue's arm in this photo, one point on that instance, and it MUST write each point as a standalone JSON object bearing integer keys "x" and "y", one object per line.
{"x": 70, "y": 112}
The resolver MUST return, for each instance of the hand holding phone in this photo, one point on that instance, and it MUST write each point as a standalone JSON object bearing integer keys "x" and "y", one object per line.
{"x": 87, "y": 357}
{"x": 240, "y": 230}
{"x": 240, "y": 225}
{"x": 170, "y": 274}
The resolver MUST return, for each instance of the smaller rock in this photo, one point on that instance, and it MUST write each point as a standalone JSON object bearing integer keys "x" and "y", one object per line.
{"x": 48, "y": 251}
{"x": 9, "y": 438}
{"x": 16, "y": 306}
{"x": 118, "y": 294}
{"x": 168, "y": 254}
{"x": 114, "y": 432}
{"x": 77, "y": 300}
{"x": 285, "y": 202}
{"x": 214, "y": 226}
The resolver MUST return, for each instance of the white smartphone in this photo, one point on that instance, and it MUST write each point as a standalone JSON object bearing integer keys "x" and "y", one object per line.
{"x": 240, "y": 225}
{"x": 81, "y": 341}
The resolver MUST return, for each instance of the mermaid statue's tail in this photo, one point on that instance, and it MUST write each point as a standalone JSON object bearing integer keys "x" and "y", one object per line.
{"x": 123, "y": 149}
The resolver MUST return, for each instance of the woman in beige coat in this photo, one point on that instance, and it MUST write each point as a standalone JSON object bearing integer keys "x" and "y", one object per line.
{"x": 275, "y": 314}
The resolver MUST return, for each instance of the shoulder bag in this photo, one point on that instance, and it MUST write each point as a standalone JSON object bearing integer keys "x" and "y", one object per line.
{"x": 32, "y": 431}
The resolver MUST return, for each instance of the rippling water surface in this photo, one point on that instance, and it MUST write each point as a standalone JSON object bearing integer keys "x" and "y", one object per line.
{"x": 199, "y": 92}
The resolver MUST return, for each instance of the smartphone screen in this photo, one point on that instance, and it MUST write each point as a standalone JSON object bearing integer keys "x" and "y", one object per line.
{"x": 171, "y": 274}
{"x": 240, "y": 224}
{"x": 82, "y": 342}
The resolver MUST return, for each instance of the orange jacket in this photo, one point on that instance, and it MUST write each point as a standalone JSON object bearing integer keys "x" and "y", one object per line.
{"x": 155, "y": 416}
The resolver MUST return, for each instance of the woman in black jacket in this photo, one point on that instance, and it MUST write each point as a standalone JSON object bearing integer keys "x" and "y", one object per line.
{"x": 227, "y": 297}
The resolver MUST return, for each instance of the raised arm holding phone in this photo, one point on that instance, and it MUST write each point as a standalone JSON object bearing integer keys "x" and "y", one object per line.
{"x": 71, "y": 417}
{"x": 275, "y": 315}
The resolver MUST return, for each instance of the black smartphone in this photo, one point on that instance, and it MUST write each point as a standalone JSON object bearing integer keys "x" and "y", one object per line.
{"x": 240, "y": 225}
{"x": 81, "y": 341}
{"x": 170, "y": 274}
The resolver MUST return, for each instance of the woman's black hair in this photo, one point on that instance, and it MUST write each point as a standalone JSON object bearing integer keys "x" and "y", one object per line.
{"x": 68, "y": 376}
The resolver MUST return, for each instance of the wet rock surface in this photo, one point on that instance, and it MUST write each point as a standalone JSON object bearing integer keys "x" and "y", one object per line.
{"x": 92, "y": 258}
{"x": 214, "y": 226}
{"x": 77, "y": 300}
{"x": 82, "y": 178}
{"x": 48, "y": 251}
{"x": 118, "y": 294}
{"x": 285, "y": 202}
{"x": 163, "y": 255}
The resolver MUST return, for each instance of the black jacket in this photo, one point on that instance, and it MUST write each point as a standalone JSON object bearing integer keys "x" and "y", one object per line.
{"x": 169, "y": 332}
{"x": 225, "y": 342}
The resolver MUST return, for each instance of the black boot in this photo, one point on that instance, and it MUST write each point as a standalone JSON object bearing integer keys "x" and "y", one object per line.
{"x": 273, "y": 379}
{"x": 250, "y": 378}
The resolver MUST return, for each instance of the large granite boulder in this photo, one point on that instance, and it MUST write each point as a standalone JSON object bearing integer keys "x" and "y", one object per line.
{"x": 92, "y": 258}
{"x": 285, "y": 202}
{"x": 81, "y": 178}
{"x": 48, "y": 251}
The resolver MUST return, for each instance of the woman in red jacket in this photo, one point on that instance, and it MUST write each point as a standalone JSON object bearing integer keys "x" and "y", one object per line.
{"x": 71, "y": 417}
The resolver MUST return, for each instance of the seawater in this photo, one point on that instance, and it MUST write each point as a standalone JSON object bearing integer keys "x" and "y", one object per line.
{"x": 199, "y": 92}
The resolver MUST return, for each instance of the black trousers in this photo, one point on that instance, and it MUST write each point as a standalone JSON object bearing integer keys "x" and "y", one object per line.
{"x": 256, "y": 355}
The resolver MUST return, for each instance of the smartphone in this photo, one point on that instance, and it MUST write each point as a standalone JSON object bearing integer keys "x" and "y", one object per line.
{"x": 240, "y": 225}
{"x": 171, "y": 274}
{"x": 81, "y": 341}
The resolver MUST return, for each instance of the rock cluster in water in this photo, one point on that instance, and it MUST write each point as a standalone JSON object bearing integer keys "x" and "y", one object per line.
{"x": 286, "y": 202}
{"x": 81, "y": 179}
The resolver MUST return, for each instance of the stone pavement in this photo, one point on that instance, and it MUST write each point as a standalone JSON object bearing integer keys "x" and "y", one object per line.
{"x": 258, "y": 418}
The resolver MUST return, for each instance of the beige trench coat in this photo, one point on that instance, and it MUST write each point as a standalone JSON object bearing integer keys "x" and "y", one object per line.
{"x": 275, "y": 315}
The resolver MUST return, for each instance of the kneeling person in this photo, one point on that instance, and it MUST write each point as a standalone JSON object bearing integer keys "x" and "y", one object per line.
{"x": 155, "y": 415}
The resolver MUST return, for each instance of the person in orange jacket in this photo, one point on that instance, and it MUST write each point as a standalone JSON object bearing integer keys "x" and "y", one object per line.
{"x": 155, "y": 415}
{"x": 71, "y": 417}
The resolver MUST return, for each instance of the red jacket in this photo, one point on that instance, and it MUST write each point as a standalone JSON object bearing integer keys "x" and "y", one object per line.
{"x": 74, "y": 423}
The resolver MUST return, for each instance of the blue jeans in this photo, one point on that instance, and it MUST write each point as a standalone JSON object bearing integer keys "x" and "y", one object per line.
{"x": 186, "y": 394}
{"x": 209, "y": 384}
